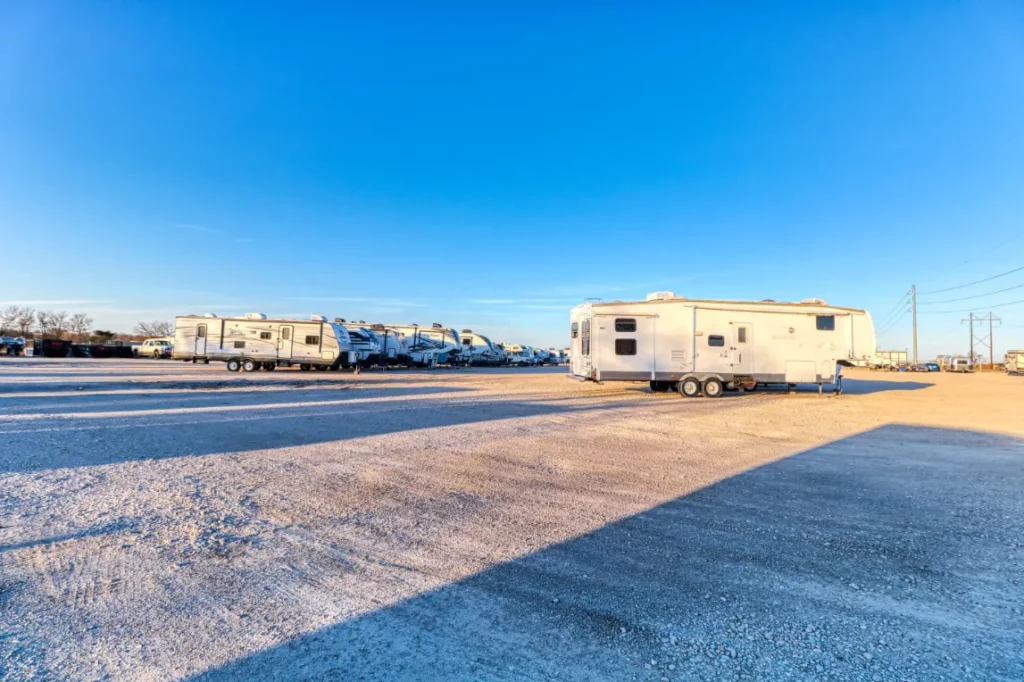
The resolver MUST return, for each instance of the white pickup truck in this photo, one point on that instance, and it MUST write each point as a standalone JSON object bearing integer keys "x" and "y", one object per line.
{"x": 154, "y": 348}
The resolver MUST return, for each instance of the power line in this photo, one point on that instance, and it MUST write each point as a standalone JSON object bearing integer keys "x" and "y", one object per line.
{"x": 965, "y": 298}
{"x": 968, "y": 310}
{"x": 894, "y": 322}
{"x": 888, "y": 315}
{"x": 970, "y": 284}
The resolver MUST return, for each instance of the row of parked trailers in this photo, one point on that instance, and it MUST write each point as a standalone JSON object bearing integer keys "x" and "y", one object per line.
{"x": 255, "y": 342}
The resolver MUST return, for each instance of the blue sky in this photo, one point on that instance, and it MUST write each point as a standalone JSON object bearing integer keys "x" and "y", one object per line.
{"x": 489, "y": 166}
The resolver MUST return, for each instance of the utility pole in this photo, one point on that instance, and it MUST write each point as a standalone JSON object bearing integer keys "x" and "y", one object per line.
{"x": 913, "y": 306}
{"x": 983, "y": 340}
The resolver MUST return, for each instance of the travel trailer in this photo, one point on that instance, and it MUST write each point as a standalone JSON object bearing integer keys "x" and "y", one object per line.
{"x": 958, "y": 363}
{"x": 696, "y": 346}
{"x": 519, "y": 356}
{"x": 436, "y": 340}
{"x": 1015, "y": 362}
{"x": 365, "y": 343}
{"x": 558, "y": 357}
{"x": 253, "y": 342}
{"x": 480, "y": 349}
{"x": 889, "y": 359}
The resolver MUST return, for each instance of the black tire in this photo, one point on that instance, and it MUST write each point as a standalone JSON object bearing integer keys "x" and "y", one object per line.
{"x": 750, "y": 389}
{"x": 234, "y": 364}
{"x": 713, "y": 388}
{"x": 661, "y": 386}
{"x": 250, "y": 365}
{"x": 269, "y": 366}
{"x": 689, "y": 387}
{"x": 305, "y": 367}
{"x": 322, "y": 368}
{"x": 156, "y": 355}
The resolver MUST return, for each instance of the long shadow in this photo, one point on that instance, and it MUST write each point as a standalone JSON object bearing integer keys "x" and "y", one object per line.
{"x": 70, "y": 384}
{"x": 866, "y": 386}
{"x": 124, "y": 404}
{"x": 893, "y": 554}
{"x": 62, "y": 442}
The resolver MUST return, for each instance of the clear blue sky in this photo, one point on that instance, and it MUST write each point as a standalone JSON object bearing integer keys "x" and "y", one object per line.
{"x": 489, "y": 166}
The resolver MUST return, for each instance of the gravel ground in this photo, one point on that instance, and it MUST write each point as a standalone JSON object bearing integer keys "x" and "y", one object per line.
{"x": 167, "y": 521}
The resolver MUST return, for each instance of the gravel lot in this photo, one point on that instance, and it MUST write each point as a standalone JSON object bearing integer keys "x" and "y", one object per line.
{"x": 168, "y": 521}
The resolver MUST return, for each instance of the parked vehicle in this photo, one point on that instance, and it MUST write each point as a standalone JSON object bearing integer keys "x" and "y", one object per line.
{"x": 12, "y": 345}
{"x": 520, "y": 356}
{"x": 154, "y": 348}
{"x": 891, "y": 360}
{"x": 51, "y": 348}
{"x": 427, "y": 346}
{"x": 959, "y": 363}
{"x": 933, "y": 366}
{"x": 919, "y": 368}
{"x": 253, "y": 342}
{"x": 1015, "y": 362}
{"x": 707, "y": 346}
{"x": 480, "y": 349}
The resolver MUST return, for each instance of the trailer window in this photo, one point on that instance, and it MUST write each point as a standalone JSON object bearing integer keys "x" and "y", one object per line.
{"x": 625, "y": 325}
{"x": 286, "y": 333}
{"x": 625, "y": 346}
{"x": 714, "y": 340}
{"x": 239, "y": 344}
{"x": 312, "y": 340}
{"x": 826, "y": 323}
{"x": 575, "y": 329}
{"x": 585, "y": 342}
{"x": 264, "y": 335}
{"x": 201, "y": 332}
{"x": 741, "y": 335}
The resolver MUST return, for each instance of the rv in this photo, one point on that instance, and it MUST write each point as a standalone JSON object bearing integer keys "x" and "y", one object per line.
{"x": 435, "y": 344}
{"x": 480, "y": 349}
{"x": 253, "y": 342}
{"x": 365, "y": 343}
{"x": 1015, "y": 362}
{"x": 558, "y": 357}
{"x": 519, "y": 356}
{"x": 706, "y": 346}
{"x": 889, "y": 359}
{"x": 958, "y": 363}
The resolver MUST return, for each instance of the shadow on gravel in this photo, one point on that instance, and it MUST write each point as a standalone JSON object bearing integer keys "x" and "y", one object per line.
{"x": 123, "y": 405}
{"x": 892, "y": 554}
{"x": 28, "y": 444}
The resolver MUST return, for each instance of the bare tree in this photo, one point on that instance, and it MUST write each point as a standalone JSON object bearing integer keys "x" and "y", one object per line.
{"x": 155, "y": 328}
{"x": 9, "y": 318}
{"x": 53, "y": 322}
{"x": 79, "y": 325}
{"x": 26, "y": 318}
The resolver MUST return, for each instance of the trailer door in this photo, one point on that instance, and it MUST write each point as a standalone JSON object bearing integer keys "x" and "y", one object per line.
{"x": 624, "y": 346}
{"x": 201, "y": 340}
{"x": 284, "y": 343}
{"x": 742, "y": 348}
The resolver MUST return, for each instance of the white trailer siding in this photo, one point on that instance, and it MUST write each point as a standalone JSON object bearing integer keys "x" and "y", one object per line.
{"x": 284, "y": 341}
{"x": 665, "y": 340}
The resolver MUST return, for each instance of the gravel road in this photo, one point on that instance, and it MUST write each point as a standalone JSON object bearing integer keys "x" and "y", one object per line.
{"x": 167, "y": 521}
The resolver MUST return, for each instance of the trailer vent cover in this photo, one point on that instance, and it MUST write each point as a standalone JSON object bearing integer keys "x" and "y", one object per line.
{"x": 316, "y": 318}
{"x": 209, "y": 315}
{"x": 814, "y": 301}
{"x": 340, "y": 320}
{"x": 467, "y": 331}
{"x": 660, "y": 295}
{"x": 436, "y": 325}
{"x": 255, "y": 316}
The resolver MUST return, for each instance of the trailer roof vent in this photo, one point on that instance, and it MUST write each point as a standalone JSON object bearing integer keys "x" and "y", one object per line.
{"x": 467, "y": 331}
{"x": 209, "y": 315}
{"x": 767, "y": 300}
{"x": 340, "y": 320}
{"x": 436, "y": 325}
{"x": 660, "y": 295}
{"x": 255, "y": 316}
{"x": 377, "y": 327}
{"x": 317, "y": 318}
{"x": 814, "y": 301}
{"x": 362, "y": 321}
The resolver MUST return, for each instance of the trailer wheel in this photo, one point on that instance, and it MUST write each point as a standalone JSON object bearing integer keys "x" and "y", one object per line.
{"x": 305, "y": 367}
{"x": 250, "y": 365}
{"x": 689, "y": 387}
{"x": 322, "y": 368}
{"x": 269, "y": 366}
{"x": 661, "y": 386}
{"x": 234, "y": 364}
{"x": 712, "y": 388}
{"x": 750, "y": 389}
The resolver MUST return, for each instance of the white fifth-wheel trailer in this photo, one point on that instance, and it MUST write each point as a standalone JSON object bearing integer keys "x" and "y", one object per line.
{"x": 698, "y": 346}
{"x": 253, "y": 342}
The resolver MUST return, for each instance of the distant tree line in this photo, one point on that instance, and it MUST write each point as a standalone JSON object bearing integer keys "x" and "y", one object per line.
{"x": 58, "y": 324}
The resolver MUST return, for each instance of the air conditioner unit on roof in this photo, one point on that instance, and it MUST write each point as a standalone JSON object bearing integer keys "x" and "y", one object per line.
{"x": 660, "y": 295}
{"x": 255, "y": 316}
